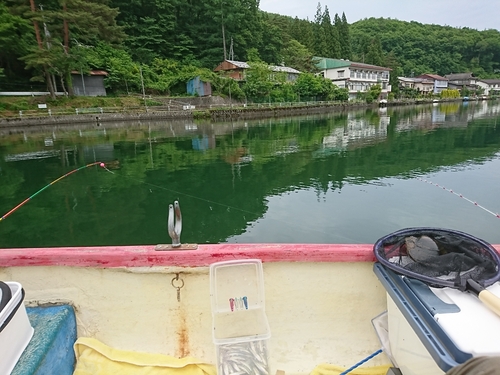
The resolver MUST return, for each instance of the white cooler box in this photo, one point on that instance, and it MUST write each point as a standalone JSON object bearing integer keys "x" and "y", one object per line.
{"x": 434, "y": 329}
{"x": 15, "y": 327}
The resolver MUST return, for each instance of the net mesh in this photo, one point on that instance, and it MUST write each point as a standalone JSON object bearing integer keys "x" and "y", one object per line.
{"x": 439, "y": 257}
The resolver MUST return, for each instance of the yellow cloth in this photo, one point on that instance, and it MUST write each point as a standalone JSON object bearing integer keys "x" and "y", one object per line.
{"x": 327, "y": 369}
{"x": 95, "y": 358}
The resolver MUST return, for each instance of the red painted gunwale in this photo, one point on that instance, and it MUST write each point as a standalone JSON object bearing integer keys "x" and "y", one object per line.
{"x": 147, "y": 256}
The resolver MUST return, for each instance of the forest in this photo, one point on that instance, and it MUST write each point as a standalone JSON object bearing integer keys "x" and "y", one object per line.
{"x": 156, "y": 46}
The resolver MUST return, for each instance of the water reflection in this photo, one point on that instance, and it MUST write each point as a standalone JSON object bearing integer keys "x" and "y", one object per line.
{"x": 340, "y": 177}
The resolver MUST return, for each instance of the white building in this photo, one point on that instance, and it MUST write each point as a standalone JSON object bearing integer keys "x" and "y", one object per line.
{"x": 490, "y": 86}
{"x": 355, "y": 76}
{"x": 421, "y": 85}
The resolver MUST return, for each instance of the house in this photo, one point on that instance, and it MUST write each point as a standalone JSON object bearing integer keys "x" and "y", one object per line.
{"x": 196, "y": 86}
{"x": 422, "y": 85}
{"x": 237, "y": 70}
{"x": 483, "y": 87}
{"x": 291, "y": 73}
{"x": 89, "y": 84}
{"x": 354, "y": 76}
{"x": 440, "y": 83}
{"x": 460, "y": 80}
{"x": 233, "y": 69}
{"x": 493, "y": 87}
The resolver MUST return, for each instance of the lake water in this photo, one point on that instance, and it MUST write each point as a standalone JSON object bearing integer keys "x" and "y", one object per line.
{"x": 345, "y": 177}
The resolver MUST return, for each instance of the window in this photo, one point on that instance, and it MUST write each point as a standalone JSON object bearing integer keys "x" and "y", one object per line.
{"x": 341, "y": 73}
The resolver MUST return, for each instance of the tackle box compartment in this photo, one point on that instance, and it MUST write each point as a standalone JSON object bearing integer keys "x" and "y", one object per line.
{"x": 432, "y": 330}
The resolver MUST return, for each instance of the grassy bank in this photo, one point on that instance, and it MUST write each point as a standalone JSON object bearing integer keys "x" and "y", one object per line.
{"x": 11, "y": 105}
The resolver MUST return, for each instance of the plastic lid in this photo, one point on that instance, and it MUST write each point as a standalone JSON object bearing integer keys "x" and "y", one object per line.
{"x": 237, "y": 297}
{"x": 236, "y": 285}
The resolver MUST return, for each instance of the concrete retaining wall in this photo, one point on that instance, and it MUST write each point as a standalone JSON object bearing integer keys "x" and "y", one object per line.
{"x": 213, "y": 114}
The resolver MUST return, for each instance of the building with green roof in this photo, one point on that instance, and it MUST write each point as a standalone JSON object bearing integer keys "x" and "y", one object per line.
{"x": 356, "y": 77}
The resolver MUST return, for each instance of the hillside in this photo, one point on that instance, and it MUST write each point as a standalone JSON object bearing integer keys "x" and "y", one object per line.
{"x": 158, "y": 46}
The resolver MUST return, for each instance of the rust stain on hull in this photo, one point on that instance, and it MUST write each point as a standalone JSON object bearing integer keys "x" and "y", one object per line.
{"x": 182, "y": 335}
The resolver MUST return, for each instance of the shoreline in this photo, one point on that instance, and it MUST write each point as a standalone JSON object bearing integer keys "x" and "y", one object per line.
{"x": 238, "y": 112}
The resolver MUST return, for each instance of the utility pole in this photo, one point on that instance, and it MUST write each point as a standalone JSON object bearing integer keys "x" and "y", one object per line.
{"x": 231, "y": 52}
{"x": 142, "y": 83}
{"x": 143, "y": 92}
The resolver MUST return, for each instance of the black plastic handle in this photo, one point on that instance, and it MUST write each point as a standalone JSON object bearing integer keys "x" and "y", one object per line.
{"x": 6, "y": 295}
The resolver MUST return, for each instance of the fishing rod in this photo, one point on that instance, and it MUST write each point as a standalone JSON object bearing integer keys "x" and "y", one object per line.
{"x": 460, "y": 196}
{"x": 101, "y": 164}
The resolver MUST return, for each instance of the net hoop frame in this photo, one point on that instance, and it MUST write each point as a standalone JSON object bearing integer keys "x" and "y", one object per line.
{"x": 380, "y": 246}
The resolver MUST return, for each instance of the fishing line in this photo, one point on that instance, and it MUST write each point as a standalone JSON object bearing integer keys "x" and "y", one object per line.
{"x": 460, "y": 196}
{"x": 52, "y": 183}
{"x": 228, "y": 207}
{"x": 103, "y": 165}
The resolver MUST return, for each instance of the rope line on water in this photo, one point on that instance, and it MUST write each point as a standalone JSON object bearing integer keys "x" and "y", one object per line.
{"x": 460, "y": 196}
{"x": 361, "y": 362}
{"x": 52, "y": 183}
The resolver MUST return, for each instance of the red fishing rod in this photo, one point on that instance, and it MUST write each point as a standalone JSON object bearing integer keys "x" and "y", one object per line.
{"x": 102, "y": 165}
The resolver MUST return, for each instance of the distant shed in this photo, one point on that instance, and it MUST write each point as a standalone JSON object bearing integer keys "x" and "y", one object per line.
{"x": 92, "y": 83}
{"x": 234, "y": 69}
{"x": 196, "y": 86}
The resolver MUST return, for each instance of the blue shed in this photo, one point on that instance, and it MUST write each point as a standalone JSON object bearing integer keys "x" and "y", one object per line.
{"x": 196, "y": 86}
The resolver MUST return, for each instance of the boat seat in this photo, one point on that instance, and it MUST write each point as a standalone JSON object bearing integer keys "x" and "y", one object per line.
{"x": 50, "y": 351}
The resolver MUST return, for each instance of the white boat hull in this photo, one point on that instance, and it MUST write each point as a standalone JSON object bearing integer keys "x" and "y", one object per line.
{"x": 318, "y": 312}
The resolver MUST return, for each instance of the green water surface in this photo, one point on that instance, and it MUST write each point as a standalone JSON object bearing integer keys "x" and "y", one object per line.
{"x": 343, "y": 177}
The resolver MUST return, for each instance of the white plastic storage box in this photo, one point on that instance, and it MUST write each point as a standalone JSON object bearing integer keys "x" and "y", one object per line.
{"x": 240, "y": 329}
{"x": 15, "y": 328}
{"x": 434, "y": 329}
{"x": 243, "y": 357}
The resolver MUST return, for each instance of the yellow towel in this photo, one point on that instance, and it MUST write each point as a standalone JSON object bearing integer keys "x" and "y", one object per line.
{"x": 95, "y": 358}
{"x": 327, "y": 369}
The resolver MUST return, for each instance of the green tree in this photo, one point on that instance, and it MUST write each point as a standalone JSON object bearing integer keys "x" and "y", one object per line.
{"x": 253, "y": 55}
{"x": 297, "y": 56}
{"x": 303, "y": 32}
{"x": 331, "y": 36}
{"x": 392, "y": 63}
{"x": 312, "y": 87}
{"x": 344, "y": 38}
{"x": 271, "y": 45}
{"x": 320, "y": 44}
{"x": 228, "y": 87}
{"x": 62, "y": 22}
{"x": 259, "y": 82}
{"x": 16, "y": 34}
{"x": 421, "y": 48}
{"x": 373, "y": 93}
{"x": 375, "y": 55}
{"x": 123, "y": 74}
{"x": 449, "y": 94}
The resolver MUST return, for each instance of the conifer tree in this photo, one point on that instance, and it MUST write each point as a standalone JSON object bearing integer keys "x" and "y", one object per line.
{"x": 331, "y": 36}
{"x": 320, "y": 47}
{"x": 345, "y": 40}
{"x": 61, "y": 27}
